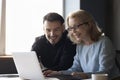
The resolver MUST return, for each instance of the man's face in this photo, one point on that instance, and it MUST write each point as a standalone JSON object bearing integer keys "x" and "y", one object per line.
{"x": 53, "y": 31}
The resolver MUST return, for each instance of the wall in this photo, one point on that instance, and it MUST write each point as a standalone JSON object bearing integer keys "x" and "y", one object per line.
{"x": 70, "y": 5}
{"x": 97, "y": 9}
{"x": 116, "y": 29}
{"x": 107, "y": 14}
{"x": 2, "y": 27}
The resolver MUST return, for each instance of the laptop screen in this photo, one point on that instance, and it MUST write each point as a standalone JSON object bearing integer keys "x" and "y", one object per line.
{"x": 27, "y": 65}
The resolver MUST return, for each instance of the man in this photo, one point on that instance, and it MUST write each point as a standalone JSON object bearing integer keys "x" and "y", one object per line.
{"x": 54, "y": 49}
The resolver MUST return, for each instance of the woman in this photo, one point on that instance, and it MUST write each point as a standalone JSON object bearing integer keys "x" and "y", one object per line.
{"x": 94, "y": 53}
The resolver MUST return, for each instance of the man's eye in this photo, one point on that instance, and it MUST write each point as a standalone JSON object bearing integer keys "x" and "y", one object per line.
{"x": 48, "y": 30}
{"x": 77, "y": 26}
{"x": 57, "y": 29}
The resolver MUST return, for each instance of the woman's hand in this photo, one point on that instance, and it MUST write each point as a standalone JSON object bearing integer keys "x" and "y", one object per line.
{"x": 80, "y": 74}
{"x": 50, "y": 73}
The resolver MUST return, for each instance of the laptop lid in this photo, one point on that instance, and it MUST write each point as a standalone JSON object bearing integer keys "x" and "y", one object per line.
{"x": 27, "y": 65}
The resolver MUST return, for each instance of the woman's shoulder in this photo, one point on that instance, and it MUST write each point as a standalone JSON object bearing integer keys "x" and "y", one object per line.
{"x": 104, "y": 38}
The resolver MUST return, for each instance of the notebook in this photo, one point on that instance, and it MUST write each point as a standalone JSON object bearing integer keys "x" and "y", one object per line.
{"x": 28, "y": 66}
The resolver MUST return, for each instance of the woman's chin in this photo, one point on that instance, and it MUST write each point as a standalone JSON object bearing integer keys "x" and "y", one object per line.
{"x": 78, "y": 40}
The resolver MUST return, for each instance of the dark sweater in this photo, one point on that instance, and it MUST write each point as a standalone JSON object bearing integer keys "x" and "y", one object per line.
{"x": 57, "y": 57}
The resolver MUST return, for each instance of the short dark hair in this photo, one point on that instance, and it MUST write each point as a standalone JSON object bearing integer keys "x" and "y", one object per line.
{"x": 53, "y": 17}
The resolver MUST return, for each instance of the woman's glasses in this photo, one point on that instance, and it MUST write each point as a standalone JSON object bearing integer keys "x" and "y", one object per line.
{"x": 76, "y": 27}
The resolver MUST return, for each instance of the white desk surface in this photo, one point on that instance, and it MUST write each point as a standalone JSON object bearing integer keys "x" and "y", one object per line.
{"x": 15, "y": 77}
{"x": 87, "y": 79}
{"x": 7, "y": 78}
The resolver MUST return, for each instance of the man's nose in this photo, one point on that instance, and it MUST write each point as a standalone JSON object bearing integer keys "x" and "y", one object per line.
{"x": 52, "y": 33}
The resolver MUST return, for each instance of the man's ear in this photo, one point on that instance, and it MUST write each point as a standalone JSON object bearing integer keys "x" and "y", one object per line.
{"x": 43, "y": 28}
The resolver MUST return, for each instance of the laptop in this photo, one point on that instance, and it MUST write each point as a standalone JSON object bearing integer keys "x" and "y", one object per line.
{"x": 28, "y": 66}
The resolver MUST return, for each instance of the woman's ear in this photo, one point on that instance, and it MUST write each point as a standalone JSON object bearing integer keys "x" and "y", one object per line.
{"x": 90, "y": 24}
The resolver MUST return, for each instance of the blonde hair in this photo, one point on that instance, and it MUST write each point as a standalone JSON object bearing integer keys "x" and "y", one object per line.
{"x": 94, "y": 31}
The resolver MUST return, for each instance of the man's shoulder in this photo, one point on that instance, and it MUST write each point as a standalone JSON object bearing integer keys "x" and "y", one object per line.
{"x": 40, "y": 38}
{"x": 65, "y": 33}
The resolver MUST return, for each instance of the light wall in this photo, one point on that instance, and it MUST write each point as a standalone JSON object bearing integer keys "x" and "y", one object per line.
{"x": 2, "y": 27}
{"x": 70, "y": 5}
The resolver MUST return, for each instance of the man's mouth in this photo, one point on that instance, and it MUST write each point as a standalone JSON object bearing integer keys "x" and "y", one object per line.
{"x": 53, "y": 38}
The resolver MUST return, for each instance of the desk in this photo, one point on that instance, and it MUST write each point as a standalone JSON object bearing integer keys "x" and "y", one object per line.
{"x": 16, "y": 77}
{"x": 6, "y": 78}
{"x": 9, "y": 77}
{"x": 3, "y": 78}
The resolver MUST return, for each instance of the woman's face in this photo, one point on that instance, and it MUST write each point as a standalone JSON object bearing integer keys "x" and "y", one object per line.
{"x": 79, "y": 29}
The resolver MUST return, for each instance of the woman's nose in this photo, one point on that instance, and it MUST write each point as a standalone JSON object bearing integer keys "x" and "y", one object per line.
{"x": 74, "y": 30}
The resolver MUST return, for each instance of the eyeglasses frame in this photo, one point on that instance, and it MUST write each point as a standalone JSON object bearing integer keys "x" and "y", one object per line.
{"x": 76, "y": 27}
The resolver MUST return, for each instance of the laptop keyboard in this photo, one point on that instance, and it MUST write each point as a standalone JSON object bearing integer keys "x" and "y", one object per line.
{"x": 66, "y": 77}
{"x": 52, "y": 79}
